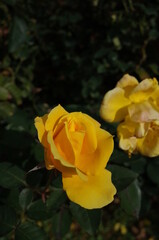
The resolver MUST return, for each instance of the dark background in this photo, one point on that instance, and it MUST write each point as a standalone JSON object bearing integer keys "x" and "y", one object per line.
{"x": 71, "y": 52}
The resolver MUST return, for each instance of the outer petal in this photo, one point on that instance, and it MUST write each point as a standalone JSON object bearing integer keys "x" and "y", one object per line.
{"x": 149, "y": 145}
{"x": 96, "y": 123}
{"x": 126, "y": 81}
{"x": 54, "y": 116}
{"x": 95, "y": 162}
{"x": 63, "y": 145}
{"x": 40, "y": 126}
{"x": 52, "y": 163}
{"x": 143, "y": 112}
{"x": 56, "y": 155}
{"x": 48, "y": 159}
{"x": 144, "y": 90}
{"x": 126, "y": 135}
{"x": 97, "y": 192}
{"x": 114, "y": 105}
{"x": 128, "y": 144}
{"x": 155, "y": 97}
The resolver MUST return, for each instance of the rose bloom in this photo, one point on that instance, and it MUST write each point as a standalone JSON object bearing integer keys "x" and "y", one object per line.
{"x": 137, "y": 137}
{"x": 75, "y": 145}
{"x": 138, "y": 100}
{"x": 136, "y": 106}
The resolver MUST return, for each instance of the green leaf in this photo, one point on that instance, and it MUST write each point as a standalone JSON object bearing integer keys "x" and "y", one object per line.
{"x": 6, "y": 109}
{"x": 38, "y": 211}
{"x": 3, "y": 93}
{"x": 101, "y": 69}
{"x": 56, "y": 199}
{"x": 25, "y": 198}
{"x": 138, "y": 165}
{"x": 13, "y": 199}
{"x": 11, "y": 175}
{"x": 89, "y": 220}
{"x": 153, "y": 170}
{"x": 29, "y": 231}
{"x": 3, "y": 238}
{"x": 15, "y": 92}
{"x": 61, "y": 222}
{"x": 131, "y": 199}
{"x": 122, "y": 177}
{"x": 18, "y": 34}
{"x": 146, "y": 204}
{"x": 20, "y": 121}
{"x": 8, "y": 220}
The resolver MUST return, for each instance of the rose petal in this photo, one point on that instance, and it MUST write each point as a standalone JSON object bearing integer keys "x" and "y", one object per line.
{"x": 143, "y": 112}
{"x": 52, "y": 163}
{"x": 63, "y": 144}
{"x": 127, "y": 81}
{"x": 76, "y": 140}
{"x": 96, "y": 123}
{"x": 126, "y": 135}
{"x": 95, "y": 162}
{"x": 48, "y": 159}
{"x": 149, "y": 146}
{"x": 155, "y": 97}
{"x": 55, "y": 152}
{"x": 97, "y": 192}
{"x": 40, "y": 126}
{"x": 55, "y": 114}
{"x": 142, "y": 129}
{"x": 82, "y": 175}
{"x": 114, "y": 105}
{"x": 75, "y": 133}
{"x": 144, "y": 90}
{"x": 84, "y": 124}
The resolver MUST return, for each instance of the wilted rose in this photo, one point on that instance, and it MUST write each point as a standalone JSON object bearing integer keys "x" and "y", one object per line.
{"x": 138, "y": 100}
{"x": 139, "y": 137}
{"x": 136, "y": 106}
{"x": 75, "y": 145}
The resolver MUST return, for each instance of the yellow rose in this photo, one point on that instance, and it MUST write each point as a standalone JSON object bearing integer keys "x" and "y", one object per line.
{"x": 136, "y": 106}
{"x": 75, "y": 145}
{"x": 139, "y": 137}
{"x": 138, "y": 100}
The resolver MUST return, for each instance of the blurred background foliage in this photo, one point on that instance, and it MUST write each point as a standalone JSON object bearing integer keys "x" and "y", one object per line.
{"x": 72, "y": 52}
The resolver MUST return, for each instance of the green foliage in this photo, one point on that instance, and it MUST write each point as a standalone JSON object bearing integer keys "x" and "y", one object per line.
{"x": 28, "y": 231}
{"x": 61, "y": 222}
{"x": 11, "y": 176}
{"x": 37, "y": 210}
{"x": 8, "y": 220}
{"x": 18, "y": 34}
{"x": 71, "y": 52}
{"x": 152, "y": 170}
{"x": 88, "y": 219}
{"x": 122, "y": 177}
{"x": 56, "y": 199}
{"x": 131, "y": 199}
{"x": 25, "y": 198}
